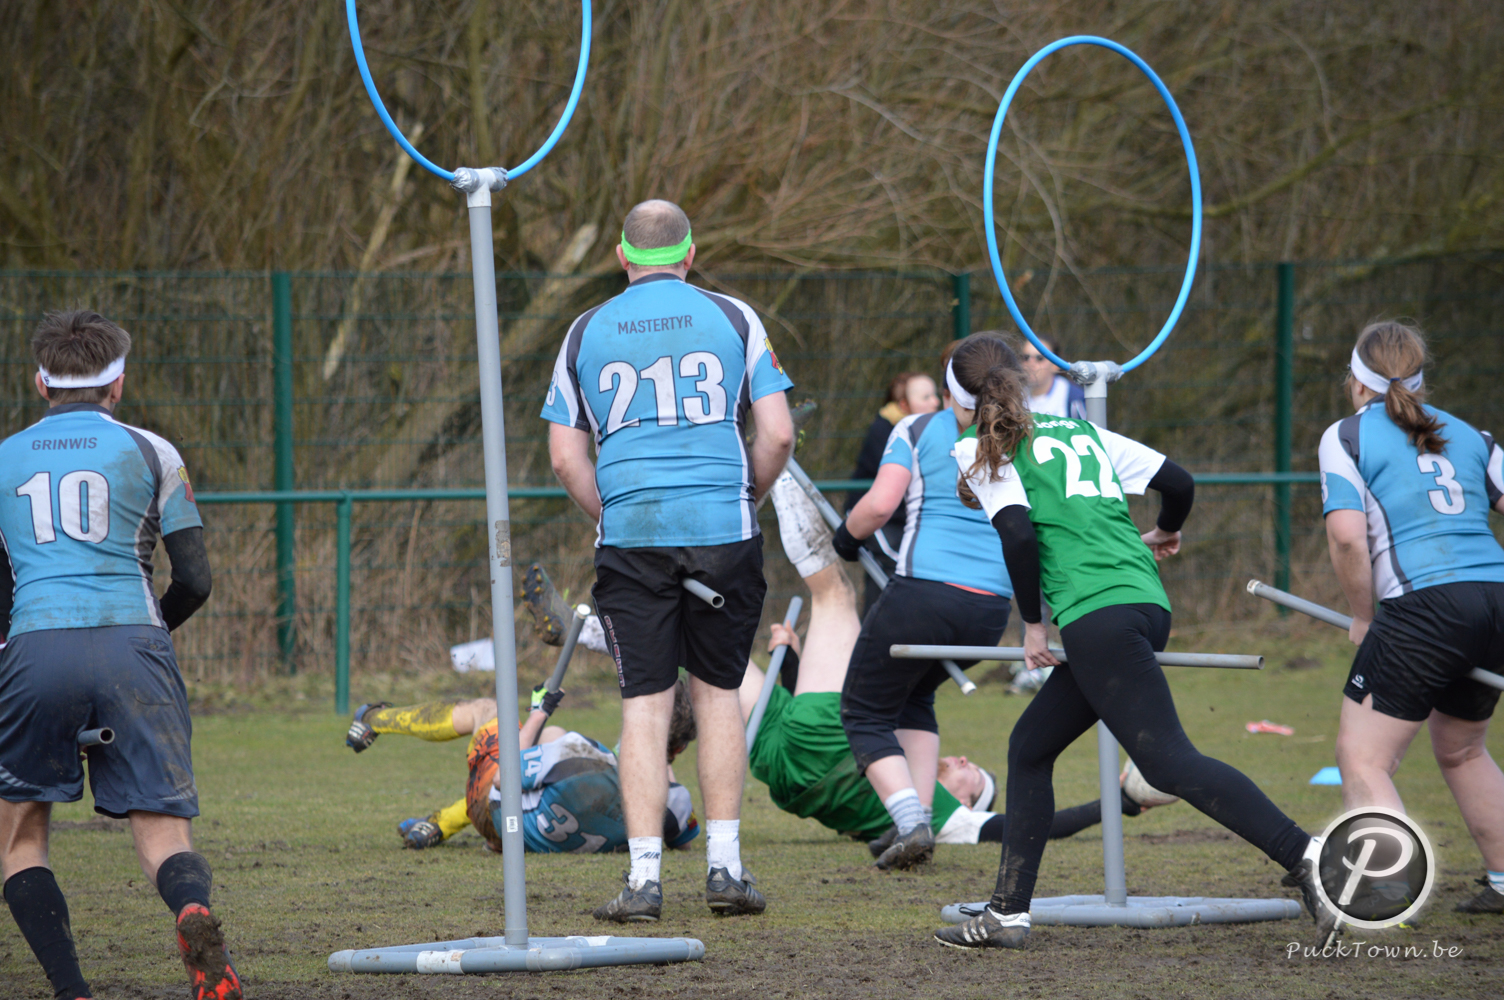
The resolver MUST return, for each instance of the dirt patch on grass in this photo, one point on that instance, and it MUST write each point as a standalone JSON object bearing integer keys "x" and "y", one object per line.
{"x": 106, "y": 823}
{"x": 1189, "y": 837}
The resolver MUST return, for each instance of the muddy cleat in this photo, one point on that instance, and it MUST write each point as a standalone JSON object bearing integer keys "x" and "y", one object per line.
{"x": 550, "y": 613}
{"x": 418, "y": 834}
{"x": 1303, "y": 877}
{"x": 729, "y": 898}
{"x": 912, "y": 847}
{"x": 1490, "y": 900}
{"x": 987, "y": 929}
{"x": 361, "y": 736}
{"x": 881, "y": 844}
{"x": 202, "y": 945}
{"x": 633, "y": 905}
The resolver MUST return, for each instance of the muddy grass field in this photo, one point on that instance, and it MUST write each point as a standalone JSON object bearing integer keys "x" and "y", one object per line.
{"x": 301, "y": 835}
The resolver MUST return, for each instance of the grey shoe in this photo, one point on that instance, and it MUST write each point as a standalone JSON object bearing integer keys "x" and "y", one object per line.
{"x": 1303, "y": 877}
{"x": 1490, "y": 900}
{"x": 633, "y": 905}
{"x": 729, "y": 898}
{"x": 985, "y": 930}
{"x": 550, "y": 614}
{"x": 912, "y": 847}
{"x": 881, "y": 844}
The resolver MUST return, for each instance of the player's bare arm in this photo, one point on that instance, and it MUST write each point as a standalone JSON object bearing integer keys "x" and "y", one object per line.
{"x": 1347, "y": 543}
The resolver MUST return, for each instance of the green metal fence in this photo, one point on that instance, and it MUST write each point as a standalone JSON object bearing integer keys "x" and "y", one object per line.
{"x": 337, "y": 382}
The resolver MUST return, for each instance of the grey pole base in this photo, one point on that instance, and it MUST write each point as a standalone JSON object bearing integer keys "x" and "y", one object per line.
{"x": 541, "y": 954}
{"x": 1140, "y": 911}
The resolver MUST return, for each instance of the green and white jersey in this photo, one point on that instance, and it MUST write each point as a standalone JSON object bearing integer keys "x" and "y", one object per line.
{"x": 1072, "y": 476}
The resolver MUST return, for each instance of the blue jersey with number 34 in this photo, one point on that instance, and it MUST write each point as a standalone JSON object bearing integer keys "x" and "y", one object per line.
{"x": 83, "y": 499}
{"x": 1427, "y": 513}
{"x": 662, "y": 377}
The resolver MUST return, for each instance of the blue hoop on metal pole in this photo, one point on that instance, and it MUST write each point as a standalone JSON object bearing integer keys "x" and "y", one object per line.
{"x": 1190, "y": 156}
{"x": 425, "y": 162}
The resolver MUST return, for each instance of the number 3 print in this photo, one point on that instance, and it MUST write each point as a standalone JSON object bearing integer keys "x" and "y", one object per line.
{"x": 1448, "y": 499}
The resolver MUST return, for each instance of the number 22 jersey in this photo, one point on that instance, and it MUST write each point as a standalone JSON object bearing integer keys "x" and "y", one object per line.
{"x": 83, "y": 499}
{"x": 1427, "y": 514}
{"x": 662, "y": 376}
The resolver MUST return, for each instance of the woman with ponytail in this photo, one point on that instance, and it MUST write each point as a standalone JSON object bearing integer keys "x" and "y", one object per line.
{"x": 1054, "y": 490}
{"x": 950, "y": 587}
{"x": 1406, "y": 490}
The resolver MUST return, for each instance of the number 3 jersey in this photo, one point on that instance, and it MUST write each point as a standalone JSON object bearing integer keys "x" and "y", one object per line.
{"x": 1072, "y": 476}
{"x": 83, "y": 500}
{"x": 662, "y": 376}
{"x": 1427, "y": 514}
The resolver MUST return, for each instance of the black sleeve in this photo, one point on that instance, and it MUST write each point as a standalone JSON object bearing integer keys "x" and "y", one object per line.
{"x": 870, "y": 457}
{"x": 993, "y": 830}
{"x": 7, "y": 592}
{"x": 1177, "y": 491}
{"x": 1021, "y": 553}
{"x": 191, "y": 580}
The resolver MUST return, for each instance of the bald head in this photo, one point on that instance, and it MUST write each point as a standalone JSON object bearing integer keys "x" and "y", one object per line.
{"x": 654, "y": 224}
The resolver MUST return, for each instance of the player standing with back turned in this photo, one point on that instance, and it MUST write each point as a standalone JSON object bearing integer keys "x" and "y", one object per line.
{"x": 83, "y": 499}
{"x": 661, "y": 378}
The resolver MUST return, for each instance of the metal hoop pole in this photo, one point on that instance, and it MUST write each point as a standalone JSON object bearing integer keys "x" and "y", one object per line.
{"x": 987, "y": 177}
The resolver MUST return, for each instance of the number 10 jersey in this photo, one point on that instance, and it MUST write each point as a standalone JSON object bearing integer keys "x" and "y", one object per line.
{"x": 662, "y": 376}
{"x": 83, "y": 500}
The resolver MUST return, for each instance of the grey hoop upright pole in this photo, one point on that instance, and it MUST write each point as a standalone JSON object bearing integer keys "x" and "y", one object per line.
{"x": 1094, "y": 378}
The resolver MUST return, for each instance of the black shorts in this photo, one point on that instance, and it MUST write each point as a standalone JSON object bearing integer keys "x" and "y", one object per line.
{"x": 654, "y": 626}
{"x": 883, "y": 694}
{"x": 56, "y": 683}
{"x": 1421, "y": 647}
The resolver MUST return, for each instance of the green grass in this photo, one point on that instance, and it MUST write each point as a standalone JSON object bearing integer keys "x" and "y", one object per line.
{"x": 301, "y": 836}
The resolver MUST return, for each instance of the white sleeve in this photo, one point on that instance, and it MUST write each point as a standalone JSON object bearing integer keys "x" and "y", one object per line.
{"x": 1005, "y": 490}
{"x": 1495, "y": 468}
{"x": 963, "y": 827}
{"x": 1134, "y": 463}
{"x": 1342, "y": 484}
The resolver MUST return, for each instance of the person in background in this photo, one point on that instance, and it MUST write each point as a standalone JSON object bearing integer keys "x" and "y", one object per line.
{"x": 1050, "y": 392}
{"x": 908, "y": 393}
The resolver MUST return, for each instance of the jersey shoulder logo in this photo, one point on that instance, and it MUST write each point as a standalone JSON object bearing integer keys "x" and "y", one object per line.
{"x": 187, "y": 486}
{"x": 773, "y": 357}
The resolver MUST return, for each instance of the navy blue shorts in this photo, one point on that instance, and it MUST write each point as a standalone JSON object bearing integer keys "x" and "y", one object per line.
{"x": 56, "y": 683}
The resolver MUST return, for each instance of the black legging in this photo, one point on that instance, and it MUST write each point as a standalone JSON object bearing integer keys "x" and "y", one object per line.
{"x": 1113, "y": 676}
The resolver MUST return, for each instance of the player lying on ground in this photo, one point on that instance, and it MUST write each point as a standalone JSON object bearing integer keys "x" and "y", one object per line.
{"x": 1406, "y": 490}
{"x": 89, "y": 647}
{"x": 571, "y": 792}
{"x": 1053, "y": 489}
{"x": 801, "y": 752}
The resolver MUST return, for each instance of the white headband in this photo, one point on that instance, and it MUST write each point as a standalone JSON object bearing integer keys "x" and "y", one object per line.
{"x": 1378, "y": 383}
{"x": 111, "y": 372}
{"x": 960, "y": 395}
{"x": 989, "y": 792}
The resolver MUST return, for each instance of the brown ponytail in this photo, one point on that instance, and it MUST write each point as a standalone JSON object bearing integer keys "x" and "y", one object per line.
{"x": 1397, "y": 350}
{"x": 987, "y": 368}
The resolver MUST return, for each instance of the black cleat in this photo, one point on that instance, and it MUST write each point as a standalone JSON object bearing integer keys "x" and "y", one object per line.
{"x": 1490, "y": 900}
{"x": 910, "y": 848}
{"x": 985, "y": 930}
{"x": 361, "y": 736}
{"x": 633, "y": 905}
{"x": 882, "y": 843}
{"x": 729, "y": 898}
{"x": 1303, "y": 877}
{"x": 550, "y": 613}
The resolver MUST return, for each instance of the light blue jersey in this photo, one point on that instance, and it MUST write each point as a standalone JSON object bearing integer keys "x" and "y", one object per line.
{"x": 1427, "y": 514}
{"x": 571, "y": 800}
{"x": 83, "y": 500}
{"x": 662, "y": 376}
{"x": 943, "y": 540}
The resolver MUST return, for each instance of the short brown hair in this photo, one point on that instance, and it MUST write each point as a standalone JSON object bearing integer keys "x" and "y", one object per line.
{"x": 78, "y": 342}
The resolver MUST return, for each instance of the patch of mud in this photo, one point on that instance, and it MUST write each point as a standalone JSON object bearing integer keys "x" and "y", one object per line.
{"x": 1188, "y": 837}
{"x": 97, "y": 823}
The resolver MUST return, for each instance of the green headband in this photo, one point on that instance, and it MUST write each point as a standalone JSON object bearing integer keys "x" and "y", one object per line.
{"x": 656, "y": 256}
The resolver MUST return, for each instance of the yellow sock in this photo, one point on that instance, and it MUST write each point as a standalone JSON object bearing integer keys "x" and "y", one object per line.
{"x": 431, "y": 720}
{"x": 452, "y": 819}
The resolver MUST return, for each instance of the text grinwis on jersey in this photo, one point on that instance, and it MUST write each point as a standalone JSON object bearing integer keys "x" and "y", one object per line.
{"x": 663, "y": 376}
{"x": 83, "y": 499}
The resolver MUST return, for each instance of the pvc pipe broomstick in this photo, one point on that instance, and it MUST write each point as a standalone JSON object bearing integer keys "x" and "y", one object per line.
{"x": 867, "y": 559}
{"x": 102, "y": 736}
{"x": 703, "y": 592}
{"x": 1015, "y": 654}
{"x": 775, "y": 667}
{"x": 571, "y": 638}
{"x": 1324, "y": 614}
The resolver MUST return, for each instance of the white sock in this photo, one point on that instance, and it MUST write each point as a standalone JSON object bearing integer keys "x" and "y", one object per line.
{"x": 592, "y": 636}
{"x": 904, "y": 807}
{"x": 806, "y": 537}
{"x": 647, "y": 860}
{"x": 929, "y": 815}
{"x": 723, "y": 846}
{"x": 1010, "y": 919}
{"x": 1496, "y": 881}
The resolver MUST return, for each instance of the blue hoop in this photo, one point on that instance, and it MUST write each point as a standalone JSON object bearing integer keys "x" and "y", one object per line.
{"x": 1190, "y": 157}
{"x": 425, "y": 162}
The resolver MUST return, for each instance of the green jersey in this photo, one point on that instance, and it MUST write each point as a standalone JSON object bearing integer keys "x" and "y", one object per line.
{"x": 1072, "y": 476}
